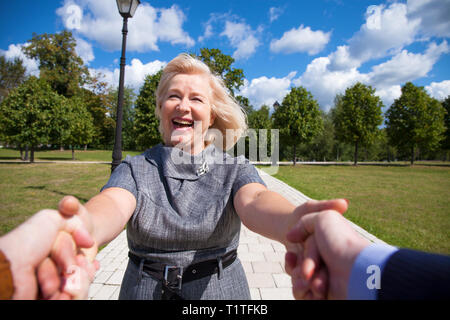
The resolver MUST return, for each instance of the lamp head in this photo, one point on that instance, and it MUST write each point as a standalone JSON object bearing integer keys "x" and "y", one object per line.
{"x": 127, "y": 8}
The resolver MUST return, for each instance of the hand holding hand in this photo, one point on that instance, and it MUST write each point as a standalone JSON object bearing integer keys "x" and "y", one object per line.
{"x": 28, "y": 247}
{"x": 298, "y": 252}
{"x": 331, "y": 247}
{"x": 77, "y": 266}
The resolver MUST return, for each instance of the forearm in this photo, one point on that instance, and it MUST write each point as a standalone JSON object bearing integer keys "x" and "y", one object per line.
{"x": 106, "y": 218}
{"x": 269, "y": 214}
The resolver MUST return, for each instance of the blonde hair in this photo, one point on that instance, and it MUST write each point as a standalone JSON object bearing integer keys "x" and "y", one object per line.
{"x": 228, "y": 113}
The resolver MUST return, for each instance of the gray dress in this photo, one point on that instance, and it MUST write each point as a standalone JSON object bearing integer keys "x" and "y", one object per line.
{"x": 184, "y": 215}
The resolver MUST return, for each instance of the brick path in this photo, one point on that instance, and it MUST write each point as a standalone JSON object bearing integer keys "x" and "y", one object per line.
{"x": 262, "y": 258}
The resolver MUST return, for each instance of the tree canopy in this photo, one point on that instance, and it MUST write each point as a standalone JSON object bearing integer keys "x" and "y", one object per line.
{"x": 26, "y": 115}
{"x": 146, "y": 124}
{"x": 59, "y": 63}
{"x": 12, "y": 74}
{"x": 298, "y": 118}
{"x": 220, "y": 64}
{"x": 415, "y": 120}
{"x": 357, "y": 116}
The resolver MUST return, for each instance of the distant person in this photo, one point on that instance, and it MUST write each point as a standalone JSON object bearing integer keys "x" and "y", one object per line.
{"x": 28, "y": 257}
{"x": 338, "y": 263}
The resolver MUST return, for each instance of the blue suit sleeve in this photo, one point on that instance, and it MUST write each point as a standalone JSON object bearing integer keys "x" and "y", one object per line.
{"x": 365, "y": 276}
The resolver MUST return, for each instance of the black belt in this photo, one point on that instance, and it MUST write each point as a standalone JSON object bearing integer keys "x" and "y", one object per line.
{"x": 172, "y": 277}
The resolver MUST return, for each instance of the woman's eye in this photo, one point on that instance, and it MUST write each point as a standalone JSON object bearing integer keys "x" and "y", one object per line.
{"x": 173, "y": 96}
{"x": 197, "y": 99}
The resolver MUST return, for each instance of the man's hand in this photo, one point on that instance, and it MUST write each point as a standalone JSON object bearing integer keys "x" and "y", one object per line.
{"x": 297, "y": 252}
{"x": 330, "y": 249}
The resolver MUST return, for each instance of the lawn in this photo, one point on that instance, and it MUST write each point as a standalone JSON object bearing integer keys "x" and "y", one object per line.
{"x": 56, "y": 155}
{"x": 27, "y": 188}
{"x": 404, "y": 206}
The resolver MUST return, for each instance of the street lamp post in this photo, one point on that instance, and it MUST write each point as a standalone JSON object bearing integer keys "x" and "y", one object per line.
{"x": 127, "y": 8}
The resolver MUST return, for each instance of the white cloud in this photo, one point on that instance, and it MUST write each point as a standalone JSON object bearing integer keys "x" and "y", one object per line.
{"x": 434, "y": 16}
{"x": 15, "y": 51}
{"x": 265, "y": 90}
{"x": 388, "y": 94}
{"x": 207, "y": 34}
{"x": 275, "y": 13}
{"x": 386, "y": 31}
{"x": 406, "y": 66}
{"x": 439, "y": 90}
{"x": 84, "y": 50}
{"x": 241, "y": 37}
{"x": 325, "y": 84}
{"x": 302, "y": 39}
{"x": 134, "y": 73}
{"x": 100, "y": 21}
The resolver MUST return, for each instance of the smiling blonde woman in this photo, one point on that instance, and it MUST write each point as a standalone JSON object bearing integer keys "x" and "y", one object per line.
{"x": 183, "y": 219}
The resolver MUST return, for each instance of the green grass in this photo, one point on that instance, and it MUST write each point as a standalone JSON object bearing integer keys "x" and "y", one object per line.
{"x": 404, "y": 206}
{"x": 27, "y": 188}
{"x": 90, "y": 155}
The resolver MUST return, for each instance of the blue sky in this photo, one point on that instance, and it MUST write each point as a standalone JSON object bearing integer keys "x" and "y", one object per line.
{"x": 323, "y": 45}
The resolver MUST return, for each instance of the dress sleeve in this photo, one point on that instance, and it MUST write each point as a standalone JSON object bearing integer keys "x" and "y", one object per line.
{"x": 246, "y": 174}
{"x": 122, "y": 177}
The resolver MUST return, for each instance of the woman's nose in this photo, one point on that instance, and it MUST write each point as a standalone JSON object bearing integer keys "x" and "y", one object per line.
{"x": 183, "y": 106}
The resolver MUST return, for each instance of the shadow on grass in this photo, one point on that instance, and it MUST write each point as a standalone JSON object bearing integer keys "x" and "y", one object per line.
{"x": 56, "y": 192}
{"x": 55, "y": 158}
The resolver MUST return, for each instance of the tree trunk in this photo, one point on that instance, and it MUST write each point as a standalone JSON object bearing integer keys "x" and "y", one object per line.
{"x": 73, "y": 153}
{"x": 295, "y": 154}
{"x": 412, "y": 155}
{"x": 26, "y": 153}
{"x": 85, "y": 147}
{"x": 21, "y": 154}
{"x": 32, "y": 155}
{"x": 61, "y": 148}
{"x": 356, "y": 154}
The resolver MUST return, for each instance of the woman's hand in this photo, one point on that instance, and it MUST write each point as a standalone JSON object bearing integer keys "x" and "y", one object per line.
{"x": 70, "y": 269}
{"x": 70, "y": 206}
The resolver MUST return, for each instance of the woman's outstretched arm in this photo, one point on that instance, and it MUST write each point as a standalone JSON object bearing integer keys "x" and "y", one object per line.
{"x": 271, "y": 215}
{"x": 105, "y": 215}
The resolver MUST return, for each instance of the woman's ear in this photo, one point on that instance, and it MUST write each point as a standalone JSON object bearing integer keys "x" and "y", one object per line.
{"x": 212, "y": 119}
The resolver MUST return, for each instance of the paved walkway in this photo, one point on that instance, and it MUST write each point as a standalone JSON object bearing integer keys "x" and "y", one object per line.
{"x": 262, "y": 258}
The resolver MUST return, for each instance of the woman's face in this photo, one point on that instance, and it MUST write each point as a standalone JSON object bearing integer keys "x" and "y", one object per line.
{"x": 186, "y": 111}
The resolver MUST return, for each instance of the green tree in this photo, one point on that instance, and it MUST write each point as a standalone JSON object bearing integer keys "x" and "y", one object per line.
{"x": 446, "y": 141}
{"x": 146, "y": 124}
{"x": 321, "y": 146}
{"x": 357, "y": 116}
{"x": 80, "y": 125}
{"x": 245, "y": 105}
{"x": 298, "y": 118}
{"x": 129, "y": 97}
{"x": 96, "y": 105}
{"x": 59, "y": 63}
{"x": 415, "y": 120}
{"x": 260, "y": 120}
{"x": 26, "y": 115}
{"x": 220, "y": 64}
{"x": 12, "y": 74}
